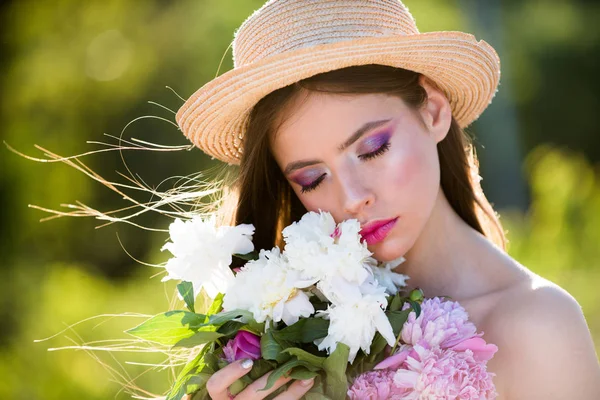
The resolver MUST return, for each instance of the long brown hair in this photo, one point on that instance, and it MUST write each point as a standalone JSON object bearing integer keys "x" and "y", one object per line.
{"x": 264, "y": 198}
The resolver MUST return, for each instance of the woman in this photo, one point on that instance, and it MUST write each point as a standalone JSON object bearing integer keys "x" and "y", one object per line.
{"x": 353, "y": 111}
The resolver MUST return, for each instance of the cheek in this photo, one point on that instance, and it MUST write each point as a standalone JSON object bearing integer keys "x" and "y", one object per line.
{"x": 410, "y": 190}
{"x": 412, "y": 173}
{"x": 316, "y": 200}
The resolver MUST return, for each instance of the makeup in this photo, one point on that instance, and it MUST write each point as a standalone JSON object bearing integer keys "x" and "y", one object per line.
{"x": 306, "y": 178}
{"x": 375, "y": 142}
{"x": 376, "y": 232}
{"x": 370, "y": 148}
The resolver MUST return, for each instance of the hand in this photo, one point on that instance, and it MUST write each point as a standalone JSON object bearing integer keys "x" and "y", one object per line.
{"x": 220, "y": 381}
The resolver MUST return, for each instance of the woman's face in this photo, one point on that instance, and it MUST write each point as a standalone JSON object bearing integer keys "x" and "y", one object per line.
{"x": 388, "y": 170}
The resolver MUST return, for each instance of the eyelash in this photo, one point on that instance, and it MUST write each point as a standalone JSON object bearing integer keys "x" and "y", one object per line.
{"x": 384, "y": 147}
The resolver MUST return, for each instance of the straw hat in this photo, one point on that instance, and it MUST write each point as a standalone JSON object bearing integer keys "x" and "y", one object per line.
{"x": 288, "y": 40}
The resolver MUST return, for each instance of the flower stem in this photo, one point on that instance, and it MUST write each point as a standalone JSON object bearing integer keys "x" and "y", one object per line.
{"x": 397, "y": 341}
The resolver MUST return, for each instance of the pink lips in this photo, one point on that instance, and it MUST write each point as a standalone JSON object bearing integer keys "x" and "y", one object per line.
{"x": 376, "y": 231}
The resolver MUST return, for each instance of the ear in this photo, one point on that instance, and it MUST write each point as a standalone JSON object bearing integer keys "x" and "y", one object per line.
{"x": 436, "y": 113}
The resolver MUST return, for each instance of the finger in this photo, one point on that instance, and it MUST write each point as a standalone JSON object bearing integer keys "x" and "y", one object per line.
{"x": 254, "y": 390}
{"x": 219, "y": 382}
{"x": 296, "y": 390}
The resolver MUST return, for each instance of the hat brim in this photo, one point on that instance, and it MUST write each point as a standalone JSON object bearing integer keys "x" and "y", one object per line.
{"x": 467, "y": 70}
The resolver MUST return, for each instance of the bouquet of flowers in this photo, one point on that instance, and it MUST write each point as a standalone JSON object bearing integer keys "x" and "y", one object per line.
{"x": 320, "y": 308}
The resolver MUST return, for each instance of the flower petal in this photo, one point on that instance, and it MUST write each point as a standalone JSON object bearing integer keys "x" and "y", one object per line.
{"x": 392, "y": 362}
{"x": 482, "y": 351}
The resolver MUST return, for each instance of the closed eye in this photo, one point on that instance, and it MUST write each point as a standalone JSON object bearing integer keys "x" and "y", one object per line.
{"x": 313, "y": 185}
{"x": 367, "y": 156}
{"x": 384, "y": 147}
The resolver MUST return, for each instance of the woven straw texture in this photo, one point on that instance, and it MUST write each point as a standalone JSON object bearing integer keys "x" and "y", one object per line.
{"x": 288, "y": 40}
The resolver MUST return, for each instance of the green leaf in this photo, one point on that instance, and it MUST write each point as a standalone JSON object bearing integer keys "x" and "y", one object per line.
{"x": 199, "y": 338}
{"x": 179, "y": 388}
{"x": 261, "y": 367}
{"x": 212, "y": 361}
{"x": 207, "y": 332}
{"x": 416, "y": 307}
{"x": 318, "y": 304}
{"x": 306, "y": 330}
{"x": 202, "y": 394}
{"x": 306, "y": 356}
{"x": 335, "y": 367}
{"x": 168, "y": 328}
{"x": 203, "y": 301}
{"x": 317, "y": 391}
{"x": 230, "y": 328}
{"x": 197, "y": 382}
{"x": 222, "y": 363}
{"x": 397, "y": 319}
{"x": 222, "y": 317}
{"x": 216, "y": 305}
{"x": 269, "y": 348}
{"x": 272, "y": 349}
{"x": 237, "y": 386}
{"x": 302, "y": 373}
{"x": 186, "y": 290}
{"x": 280, "y": 371}
{"x": 377, "y": 346}
{"x": 396, "y": 303}
{"x": 253, "y": 255}
{"x": 257, "y": 328}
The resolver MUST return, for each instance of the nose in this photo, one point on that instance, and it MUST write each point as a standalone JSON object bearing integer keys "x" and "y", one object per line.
{"x": 356, "y": 196}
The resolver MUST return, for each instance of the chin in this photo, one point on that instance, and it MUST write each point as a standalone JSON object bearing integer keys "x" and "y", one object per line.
{"x": 390, "y": 249}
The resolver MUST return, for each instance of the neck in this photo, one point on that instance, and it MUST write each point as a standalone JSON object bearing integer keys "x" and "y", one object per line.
{"x": 447, "y": 258}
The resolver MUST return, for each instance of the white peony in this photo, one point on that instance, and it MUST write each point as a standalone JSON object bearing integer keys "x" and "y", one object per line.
{"x": 356, "y": 314}
{"x": 318, "y": 249}
{"x": 353, "y": 253}
{"x": 269, "y": 289}
{"x": 203, "y": 252}
{"x": 387, "y": 278}
{"x": 312, "y": 227}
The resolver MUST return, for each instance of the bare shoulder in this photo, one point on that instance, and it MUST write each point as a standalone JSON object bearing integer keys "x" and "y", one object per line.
{"x": 545, "y": 350}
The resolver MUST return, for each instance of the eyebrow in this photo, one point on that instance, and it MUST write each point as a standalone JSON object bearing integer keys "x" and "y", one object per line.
{"x": 369, "y": 126}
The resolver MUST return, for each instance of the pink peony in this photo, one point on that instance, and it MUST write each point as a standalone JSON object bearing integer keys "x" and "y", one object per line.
{"x": 394, "y": 362}
{"x": 445, "y": 324}
{"x": 443, "y": 356}
{"x": 441, "y": 323}
{"x": 443, "y": 374}
{"x": 375, "y": 385}
{"x": 482, "y": 351}
{"x": 244, "y": 345}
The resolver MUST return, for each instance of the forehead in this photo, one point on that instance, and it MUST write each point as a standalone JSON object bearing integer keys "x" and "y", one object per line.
{"x": 319, "y": 122}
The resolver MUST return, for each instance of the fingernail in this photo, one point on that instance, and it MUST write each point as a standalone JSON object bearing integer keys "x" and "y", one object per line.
{"x": 246, "y": 363}
{"x": 307, "y": 382}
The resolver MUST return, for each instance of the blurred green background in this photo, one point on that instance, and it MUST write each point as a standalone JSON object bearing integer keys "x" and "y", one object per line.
{"x": 74, "y": 70}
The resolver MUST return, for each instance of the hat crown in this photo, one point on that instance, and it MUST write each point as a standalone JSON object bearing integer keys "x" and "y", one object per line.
{"x": 284, "y": 25}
